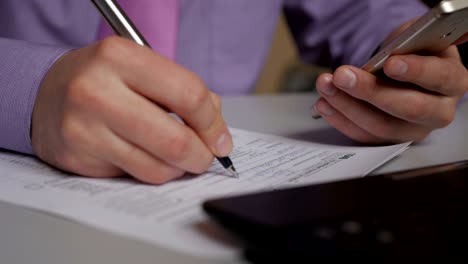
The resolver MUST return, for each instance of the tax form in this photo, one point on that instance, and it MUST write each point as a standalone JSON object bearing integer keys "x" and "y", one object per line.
{"x": 170, "y": 215}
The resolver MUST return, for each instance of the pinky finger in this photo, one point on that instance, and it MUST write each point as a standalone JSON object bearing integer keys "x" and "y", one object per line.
{"x": 344, "y": 125}
{"x": 139, "y": 163}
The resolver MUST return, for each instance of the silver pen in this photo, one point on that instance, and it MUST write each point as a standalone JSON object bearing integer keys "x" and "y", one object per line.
{"x": 124, "y": 27}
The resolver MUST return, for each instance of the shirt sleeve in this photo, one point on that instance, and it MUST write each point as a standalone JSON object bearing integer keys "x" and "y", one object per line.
{"x": 336, "y": 32}
{"x": 23, "y": 66}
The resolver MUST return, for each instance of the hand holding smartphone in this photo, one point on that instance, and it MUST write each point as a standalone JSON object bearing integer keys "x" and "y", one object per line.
{"x": 434, "y": 32}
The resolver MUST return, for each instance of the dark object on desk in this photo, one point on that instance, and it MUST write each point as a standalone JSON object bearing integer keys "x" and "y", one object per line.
{"x": 420, "y": 212}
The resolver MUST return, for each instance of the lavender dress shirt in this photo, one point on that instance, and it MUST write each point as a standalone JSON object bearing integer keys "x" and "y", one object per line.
{"x": 223, "y": 41}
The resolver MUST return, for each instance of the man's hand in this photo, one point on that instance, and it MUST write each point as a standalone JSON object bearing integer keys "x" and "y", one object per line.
{"x": 417, "y": 95}
{"x": 101, "y": 112}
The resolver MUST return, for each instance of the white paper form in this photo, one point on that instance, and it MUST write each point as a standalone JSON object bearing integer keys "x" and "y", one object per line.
{"x": 170, "y": 215}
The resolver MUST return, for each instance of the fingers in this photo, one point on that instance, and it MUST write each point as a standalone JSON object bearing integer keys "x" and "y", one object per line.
{"x": 150, "y": 128}
{"x": 137, "y": 162}
{"x": 400, "y": 100}
{"x": 99, "y": 112}
{"x": 169, "y": 85}
{"x": 420, "y": 96}
{"x": 106, "y": 154}
{"x": 440, "y": 75}
{"x": 343, "y": 124}
{"x": 360, "y": 120}
{"x": 192, "y": 101}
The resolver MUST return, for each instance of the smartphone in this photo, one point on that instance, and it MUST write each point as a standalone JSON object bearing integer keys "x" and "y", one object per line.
{"x": 434, "y": 32}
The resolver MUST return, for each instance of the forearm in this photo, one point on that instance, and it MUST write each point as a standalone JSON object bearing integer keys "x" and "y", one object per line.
{"x": 23, "y": 66}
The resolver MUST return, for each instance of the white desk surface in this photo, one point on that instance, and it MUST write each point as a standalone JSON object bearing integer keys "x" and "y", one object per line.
{"x": 27, "y": 236}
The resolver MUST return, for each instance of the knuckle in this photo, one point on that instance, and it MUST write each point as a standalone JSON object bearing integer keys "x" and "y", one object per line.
{"x": 216, "y": 101}
{"x": 79, "y": 91}
{"x": 366, "y": 88}
{"x": 445, "y": 77}
{"x": 462, "y": 88}
{"x": 196, "y": 95}
{"x": 179, "y": 144}
{"x": 141, "y": 126}
{"x": 416, "y": 69}
{"x": 417, "y": 110}
{"x": 71, "y": 131}
{"x": 447, "y": 118}
{"x": 107, "y": 48}
{"x": 130, "y": 150}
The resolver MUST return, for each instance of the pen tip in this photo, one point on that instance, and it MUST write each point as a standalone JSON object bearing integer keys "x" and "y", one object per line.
{"x": 233, "y": 172}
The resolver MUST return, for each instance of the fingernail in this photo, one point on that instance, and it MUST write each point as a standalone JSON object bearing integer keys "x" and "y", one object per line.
{"x": 345, "y": 78}
{"x": 328, "y": 88}
{"x": 397, "y": 68}
{"x": 223, "y": 145}
{"x": 314, "y": 113}
{"x": 325, "y": 108}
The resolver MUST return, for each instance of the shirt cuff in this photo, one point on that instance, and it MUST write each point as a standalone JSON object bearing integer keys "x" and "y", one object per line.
{"x": 22, "y": 69}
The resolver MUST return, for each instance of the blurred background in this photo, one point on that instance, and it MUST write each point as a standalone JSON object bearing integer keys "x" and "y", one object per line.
{"x": 284, "y": 72}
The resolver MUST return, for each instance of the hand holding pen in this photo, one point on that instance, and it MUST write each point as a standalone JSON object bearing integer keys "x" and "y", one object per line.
{"x": 101, "y": 112}
{"x": 124, "y": 27}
